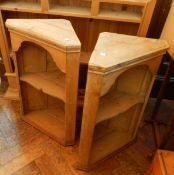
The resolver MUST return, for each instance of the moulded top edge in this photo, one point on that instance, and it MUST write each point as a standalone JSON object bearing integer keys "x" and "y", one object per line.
{"x": 114, "y": 51}
{"x": 58, "y": 32}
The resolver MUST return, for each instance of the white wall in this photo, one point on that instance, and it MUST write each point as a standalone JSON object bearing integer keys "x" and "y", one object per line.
{"x": 168, "y": 31}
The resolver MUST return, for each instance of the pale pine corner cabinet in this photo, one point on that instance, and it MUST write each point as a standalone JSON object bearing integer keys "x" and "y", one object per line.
{"x": 88, "y": 17}
{"x": 46, "y": 55}
{"x": 121, "y": 73}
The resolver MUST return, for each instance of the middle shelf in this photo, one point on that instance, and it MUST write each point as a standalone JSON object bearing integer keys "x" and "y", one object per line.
{"x": 115, "y": 104}
{"x": 50, "y": 121}
{"x": 51, "y": 83}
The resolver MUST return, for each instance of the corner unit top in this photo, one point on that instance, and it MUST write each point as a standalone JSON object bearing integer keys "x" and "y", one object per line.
{"x": 58, "y": 32}
{"x": 114, "y": 51}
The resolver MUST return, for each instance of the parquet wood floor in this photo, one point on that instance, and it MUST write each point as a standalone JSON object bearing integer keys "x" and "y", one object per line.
{"x": 26, "y": 151}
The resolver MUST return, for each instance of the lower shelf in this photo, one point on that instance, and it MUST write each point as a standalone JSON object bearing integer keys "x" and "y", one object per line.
{"x": 112, "y": 135}
{"x": 20, "y": 6}
{"x": 108, "y": 144}
{"x": 70, "y": 11}
{"x": 51, "y": 83}
{"x": 124, "y": 16}
{"x": 49, "y": 121}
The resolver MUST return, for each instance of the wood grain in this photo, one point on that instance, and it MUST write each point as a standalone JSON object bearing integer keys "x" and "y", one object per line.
{"x": 19, "y": 140}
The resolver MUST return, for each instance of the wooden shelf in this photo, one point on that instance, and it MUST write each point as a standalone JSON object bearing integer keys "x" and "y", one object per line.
{"x": 20, "y": 6}
{"x": 50, "y": 121}
{"x": 128, "y": 2}
{"x": 51, "y": 83}
{"x": 77, "y": 11}
{"x": 104, "y": 146}
{"x": 112, "y": 105}
{"x": 70, "y": 11}
{"x": 124, "y": 16}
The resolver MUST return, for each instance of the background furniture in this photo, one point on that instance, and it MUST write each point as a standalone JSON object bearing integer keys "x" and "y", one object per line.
{"x": 46, "y": 56}
{"x": 88, "y": 17}
{"x": 167, "y": 35}
{"x": 163, "y": 163}
{"x": 121, "y": 73}
{"x": 157, "y": 23}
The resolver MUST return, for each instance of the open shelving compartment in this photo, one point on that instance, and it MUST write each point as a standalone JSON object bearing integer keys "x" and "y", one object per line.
{"x": 121, "y": 12}
{"x": 118, "y": 111}
{"x": 47, "y": 68}
{"x": 42, "y": 87}
{"x": 79, "y": 8}
{"x": 121, "y": 73}
{"x": 21, "y": 5}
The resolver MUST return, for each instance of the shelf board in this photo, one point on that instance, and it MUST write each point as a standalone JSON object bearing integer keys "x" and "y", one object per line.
{"x": 106, "y": 145}
{"x": 20, "y": 6}
{"x": 124, "y": 16}
{"x": 51, "y": 83}
{"x": 112, "y": 105}
{"x": 128, "y": 2}
{"x": 70, "y": 11}
{"x": 49, "y": 121}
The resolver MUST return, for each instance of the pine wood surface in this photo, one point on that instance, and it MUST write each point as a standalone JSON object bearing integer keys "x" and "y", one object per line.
{"x": 107, "y": 57}
{"x": 121, "y": 102}
{"x": 48, "y": 31}
{"x": 45, "y": 84}
{"x": 121, "y": 73}
{"x": 88, "y": 9}
{"x": 26, "y": 151}
{"x": 55, "y": 80}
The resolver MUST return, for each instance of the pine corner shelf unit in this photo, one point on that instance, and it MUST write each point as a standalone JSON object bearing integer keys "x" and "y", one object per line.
{"x": 121, "y": 73}
{"x": 46, "y": 56}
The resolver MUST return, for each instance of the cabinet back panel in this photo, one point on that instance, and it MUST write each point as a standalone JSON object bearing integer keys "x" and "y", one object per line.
{"x": 32, "y": 98}
{"x": 33, "y": 58}
{"x": 51, "y": 66}
{"x": 119, "y": 7}
{"x": 54, "y": 103}
{"x": 132, "y": 80}
{"x": 70, "y": 2}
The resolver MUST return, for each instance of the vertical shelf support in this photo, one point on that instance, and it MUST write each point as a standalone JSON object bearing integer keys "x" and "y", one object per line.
{"x": 45, "y": 5}
{"x": 147, "y": 16}
{"x": 93, "y": 90}
{"x": 71, "y": 92}
{"x": 95, "y": 7}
